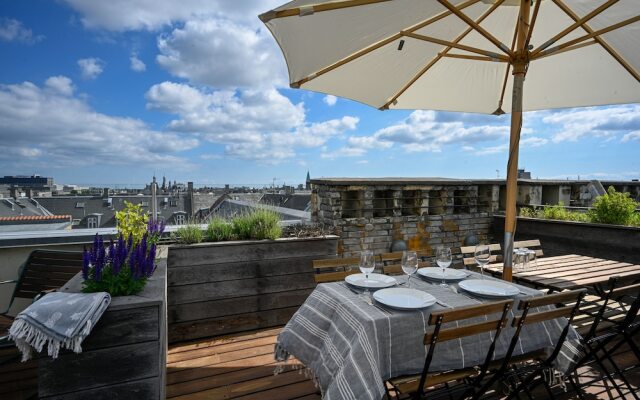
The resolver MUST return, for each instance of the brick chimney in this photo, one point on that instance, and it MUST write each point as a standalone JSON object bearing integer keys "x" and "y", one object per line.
{"x": 189, "y": 203}
{"x": 105, "y": 193}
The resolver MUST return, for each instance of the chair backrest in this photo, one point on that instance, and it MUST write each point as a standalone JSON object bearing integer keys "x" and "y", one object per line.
{"x": 487, "y": 322}
{"x": 335, "y": 269}
{"x": 564, "y": 304}
{"x": 468, "y": 252}
{"x": 622, "y": 289}
{"x": 533, "y": 244}
{"x": 392, "y": 262}
{"x": 46, "y": 270}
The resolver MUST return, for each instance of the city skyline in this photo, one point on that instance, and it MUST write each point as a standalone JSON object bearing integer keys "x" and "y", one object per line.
{"x": 198, "y": 91}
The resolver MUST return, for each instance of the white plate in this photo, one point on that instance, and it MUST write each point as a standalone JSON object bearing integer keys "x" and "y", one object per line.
{"x": 490, "y": 288}
{"x": 375, "y": 281}
{"x": 404, "y": 299}
{"x": 435, "y": 273}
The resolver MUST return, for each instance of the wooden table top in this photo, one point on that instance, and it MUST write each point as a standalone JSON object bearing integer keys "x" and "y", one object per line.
{"x": 570, "y": 271}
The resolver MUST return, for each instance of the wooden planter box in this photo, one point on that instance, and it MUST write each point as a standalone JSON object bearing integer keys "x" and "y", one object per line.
{"x": 614, "y": 242}
{"x": 225, "y": 287}
{"x": 124, "y": 357}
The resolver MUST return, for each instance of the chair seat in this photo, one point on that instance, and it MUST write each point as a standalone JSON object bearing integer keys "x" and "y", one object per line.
{"x": 5, "y": 323}
{"x": 531, "y": 356}
{"x": 410, "y": 383}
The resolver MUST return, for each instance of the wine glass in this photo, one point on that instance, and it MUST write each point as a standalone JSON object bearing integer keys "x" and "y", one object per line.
{"x": 409, "y": 264}
{"x": 482, "y": 255}
{"x": 367, "y": 265}
{"x": 443, "y": 259}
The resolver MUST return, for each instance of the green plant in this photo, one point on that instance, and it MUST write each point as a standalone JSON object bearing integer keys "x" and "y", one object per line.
{"x": 257, "y": 224}
{"x": 556, "y": 212}
{"x": 219, "y": 230}
{"x": 635, "y": 220}
{"x": 265, "y": 224}
{"x": 188, "y": 234}
{"x": 132, "y": 220}
{"x": 528, "y": 212}
{"x": 614, "y": 208}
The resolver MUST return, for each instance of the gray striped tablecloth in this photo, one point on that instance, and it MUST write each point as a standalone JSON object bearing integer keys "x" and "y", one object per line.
{"x": 352, "y": 347}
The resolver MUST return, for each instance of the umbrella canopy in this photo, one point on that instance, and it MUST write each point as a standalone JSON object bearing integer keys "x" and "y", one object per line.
{"x": 469, "y": 56}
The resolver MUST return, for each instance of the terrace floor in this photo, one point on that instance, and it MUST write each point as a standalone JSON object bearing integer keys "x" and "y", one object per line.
{"x": 241, "y": 367}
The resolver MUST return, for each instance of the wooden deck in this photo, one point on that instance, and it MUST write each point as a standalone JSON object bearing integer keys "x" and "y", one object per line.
{"x": 242, "y": 366}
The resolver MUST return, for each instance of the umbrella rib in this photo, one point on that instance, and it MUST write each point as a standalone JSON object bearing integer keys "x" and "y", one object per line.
{"x": 593, "y": 34}
{"x": 532, "y": 23}
{"x": 578, "y": 23}
{"x": 438, "y": 57}
{"x": 600, "y": 41}
{"x": 570, "y": 48}
{"x": 476, "y": 27}
{"x": 456, "y": 45}
{"x": 311, "y": 9}
{"x": 379, "y": 44}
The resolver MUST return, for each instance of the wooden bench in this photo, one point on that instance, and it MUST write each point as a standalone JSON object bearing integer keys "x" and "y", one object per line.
{"x": 44, "y": 271}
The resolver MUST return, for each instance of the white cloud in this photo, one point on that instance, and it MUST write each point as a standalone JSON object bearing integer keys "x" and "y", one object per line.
{"x": 12, "y": 30}
{"x": 60, "y": 84}
{"x": 330, "y": 100}
{"x": 154, "y": 14}
{"x": 260, "y": 125}
{"x": 90, "y": 68}
{"x": 137, "y": 64}
{"x": 602, "y": 122}
{"x": 635, "y": 135}
{"x": 222, "y": 54}
{"x": 343, "y": 152}
{"x": 67, "y": 131}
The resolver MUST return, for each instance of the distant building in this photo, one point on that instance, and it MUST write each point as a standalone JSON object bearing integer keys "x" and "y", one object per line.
{"x": 25, "y": 186}
{"x": 308, "y": 182}
{"x": 20, "y": 215}
{"x": 523, "y": 174}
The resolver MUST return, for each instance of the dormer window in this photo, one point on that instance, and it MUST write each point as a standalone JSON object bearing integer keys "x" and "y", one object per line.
{"x": 144, "y": 203}
{"x": 92, "y": 222}
{"x": 180, "y": 219}
{"x": 80, "y": 204}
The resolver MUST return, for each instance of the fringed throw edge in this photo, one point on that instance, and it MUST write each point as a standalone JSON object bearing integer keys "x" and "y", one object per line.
{"x": 28, "y": 337}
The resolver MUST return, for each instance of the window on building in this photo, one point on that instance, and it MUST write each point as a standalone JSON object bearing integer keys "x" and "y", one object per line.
{"x": 173, "y": 203}
{"x": 144, "y": 203}
{"x": 92, "y": 222}
{"x": 180, "y": 219}
{"x": 80, "y": 204}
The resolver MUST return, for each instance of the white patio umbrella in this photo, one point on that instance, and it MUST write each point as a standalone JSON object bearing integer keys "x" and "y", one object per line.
{"x": 437, "y": 55}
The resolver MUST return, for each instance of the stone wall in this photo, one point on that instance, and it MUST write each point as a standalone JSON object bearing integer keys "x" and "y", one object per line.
{"x": 370, "y": 214}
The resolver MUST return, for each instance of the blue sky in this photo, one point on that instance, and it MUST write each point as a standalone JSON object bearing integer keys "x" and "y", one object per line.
{"x": 197, "y": 90}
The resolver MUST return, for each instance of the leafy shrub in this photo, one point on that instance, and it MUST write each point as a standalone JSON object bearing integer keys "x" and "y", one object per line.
{"x": 635, "y": 220}
{"x": 132, "y": 221}
{"x": 258, "y": 224}
{"x": 121, "y": 269}
{"x": 219, "y": 230}
{"x": 189, "y": 234}
{"x": 264, "y": 224}
{"x": 556, "y": 212}
{"x": 529, "y": 212}
{"x": 614, "y": 208}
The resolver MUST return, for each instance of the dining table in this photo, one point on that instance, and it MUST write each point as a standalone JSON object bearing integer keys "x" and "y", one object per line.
{"x": 351, "y": 345}
{"x": 568, "y": 272}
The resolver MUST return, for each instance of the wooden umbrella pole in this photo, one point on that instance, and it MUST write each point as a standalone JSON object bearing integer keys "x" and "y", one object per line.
{"x": 519, "y": 62}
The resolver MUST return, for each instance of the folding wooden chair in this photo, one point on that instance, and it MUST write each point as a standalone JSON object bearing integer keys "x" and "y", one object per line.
{"x": 539, "y": 358}
{"x": 44, "y": 271}
{"x": 625, "y": 291}
{"x": 392, "y": 262}
{"x": 416, "y": 385}
{"x": 335, "y": 269}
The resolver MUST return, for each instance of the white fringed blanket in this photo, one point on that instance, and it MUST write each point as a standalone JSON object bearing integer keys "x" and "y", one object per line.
{"x": 58, "y": 320}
